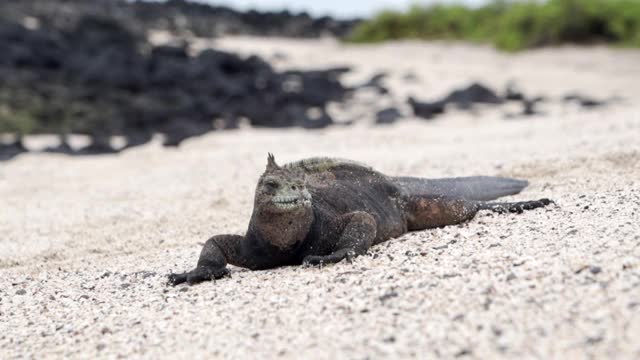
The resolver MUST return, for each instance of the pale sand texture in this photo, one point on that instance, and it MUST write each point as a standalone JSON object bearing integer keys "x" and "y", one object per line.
{"x": 85, "y": 243}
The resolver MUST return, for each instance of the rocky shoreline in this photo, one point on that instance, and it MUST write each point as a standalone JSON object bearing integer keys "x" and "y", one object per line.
{"x": 93, "y": 71}
{"x": 73, "y": 67}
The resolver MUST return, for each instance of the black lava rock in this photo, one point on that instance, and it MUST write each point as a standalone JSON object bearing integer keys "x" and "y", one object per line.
{"x": 474, "y": 94}
{"x": 98, "y": 76}
{"x": 388, "y": 116}
{"x": 427, "y": 110}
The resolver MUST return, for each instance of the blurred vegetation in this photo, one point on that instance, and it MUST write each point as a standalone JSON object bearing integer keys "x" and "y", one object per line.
{"x": 512, "y": 25}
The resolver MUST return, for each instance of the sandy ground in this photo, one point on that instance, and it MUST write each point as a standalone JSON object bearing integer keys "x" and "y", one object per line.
{"x": 86, "y": 243}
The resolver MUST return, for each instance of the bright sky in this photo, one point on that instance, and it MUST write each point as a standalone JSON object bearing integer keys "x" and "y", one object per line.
{"x": 337, "y": 8}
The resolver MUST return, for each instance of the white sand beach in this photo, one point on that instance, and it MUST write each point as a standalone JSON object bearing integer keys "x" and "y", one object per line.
{"x": 86, "y": 242}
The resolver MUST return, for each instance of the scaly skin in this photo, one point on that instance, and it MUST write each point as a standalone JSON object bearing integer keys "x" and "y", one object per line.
{"x": 321, "y": 210}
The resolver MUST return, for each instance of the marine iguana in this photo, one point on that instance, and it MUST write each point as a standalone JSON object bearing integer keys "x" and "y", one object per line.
{"x": 323, "y": 210}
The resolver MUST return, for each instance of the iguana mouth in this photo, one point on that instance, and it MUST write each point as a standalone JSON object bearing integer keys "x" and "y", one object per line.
{"x": 289, "y": 202}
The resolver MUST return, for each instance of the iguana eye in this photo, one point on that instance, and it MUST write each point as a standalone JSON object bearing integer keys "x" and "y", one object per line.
{"x": 271, "y": 184}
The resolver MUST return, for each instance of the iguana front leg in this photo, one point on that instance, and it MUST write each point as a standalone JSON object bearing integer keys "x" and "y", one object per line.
{"x": 356, "y": 238}
{"x": 214, "y": 257}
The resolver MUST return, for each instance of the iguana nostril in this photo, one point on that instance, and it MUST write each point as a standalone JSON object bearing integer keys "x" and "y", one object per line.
{"x": 293, "y": 187}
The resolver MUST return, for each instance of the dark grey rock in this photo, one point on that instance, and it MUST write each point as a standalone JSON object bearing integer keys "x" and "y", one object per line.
{"x": 584, "y": 101}
{"x": 10, "y": 150}
{"x": 474, "y": 94}
{"x": 427, "y": 110}
{"x": 388, "y": 116}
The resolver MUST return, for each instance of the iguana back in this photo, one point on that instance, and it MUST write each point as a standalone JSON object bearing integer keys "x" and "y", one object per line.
{"x": 340, "y": 186}
{"x": 480, "y": 188}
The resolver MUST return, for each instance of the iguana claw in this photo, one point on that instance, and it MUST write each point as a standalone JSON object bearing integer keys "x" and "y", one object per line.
{"x": 197, "y": 275}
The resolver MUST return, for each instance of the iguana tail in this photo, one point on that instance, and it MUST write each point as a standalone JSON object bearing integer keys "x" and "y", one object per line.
{"x": 479, "y": 188}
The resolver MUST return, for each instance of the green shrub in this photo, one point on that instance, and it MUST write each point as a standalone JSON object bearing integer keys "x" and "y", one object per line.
{"x": 512, "y": 25}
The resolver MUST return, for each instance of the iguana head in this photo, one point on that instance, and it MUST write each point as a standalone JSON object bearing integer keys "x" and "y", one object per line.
{"x": 282, "y": 190}
{"x": 282, "y": 211}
